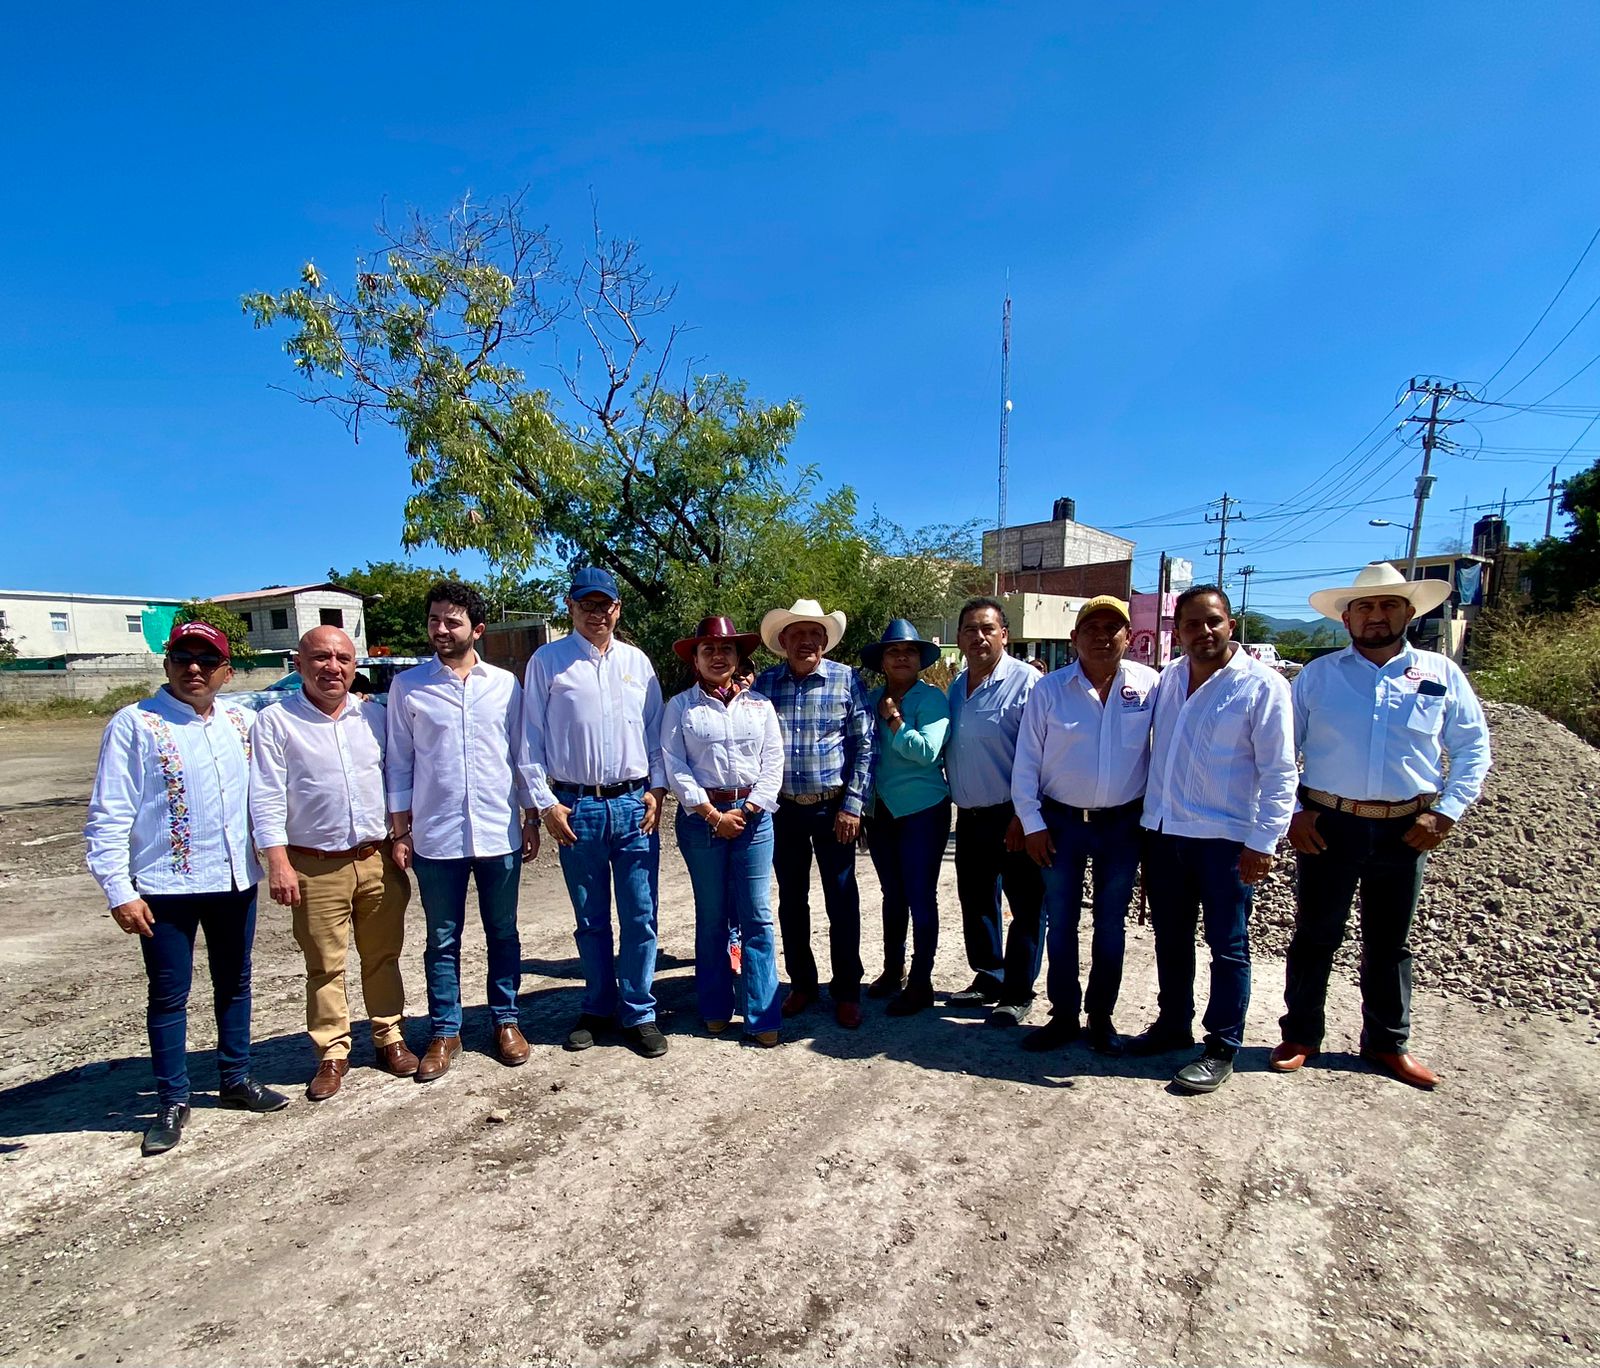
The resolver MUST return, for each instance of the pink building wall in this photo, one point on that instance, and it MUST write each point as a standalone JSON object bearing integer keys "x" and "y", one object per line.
{"x": 1150, "y": 637}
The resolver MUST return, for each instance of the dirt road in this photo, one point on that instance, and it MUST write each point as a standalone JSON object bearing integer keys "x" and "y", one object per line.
{"x": 916, "y": 1192}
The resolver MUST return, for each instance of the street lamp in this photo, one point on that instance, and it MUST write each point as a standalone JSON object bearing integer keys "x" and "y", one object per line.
{"x": 1385, "y": 522}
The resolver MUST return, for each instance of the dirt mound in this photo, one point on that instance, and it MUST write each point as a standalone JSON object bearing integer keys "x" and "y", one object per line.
{"x": 1510, "y": 913}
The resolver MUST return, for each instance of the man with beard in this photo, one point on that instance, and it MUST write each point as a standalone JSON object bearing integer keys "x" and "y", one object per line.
{"x": 316, "y": 801}
{"x": 1083, "y": 753}
{"x": 456, "y": 775}
{"x": 1221, "y": 789}
{"x": 987, "y": 701}
{"x": 1371, "y": 723}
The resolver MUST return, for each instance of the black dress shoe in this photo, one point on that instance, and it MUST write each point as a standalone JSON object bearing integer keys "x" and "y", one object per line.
{"x": 646, "y": 1039}
{"x": 1209, "y": 1072}
{"x": 167, "y": 1129}
{"x": 581, "y": 1036}
{"x": 1102, "y": 1037}
{"x": 911, "y": 1001}
{"x": 1059, "y": 1031}
{"x": 1159, "y": 1039}
{"x": 891, "y": 981}
{"x": 983, "y": 989}
{"x": 248, "y": 1095}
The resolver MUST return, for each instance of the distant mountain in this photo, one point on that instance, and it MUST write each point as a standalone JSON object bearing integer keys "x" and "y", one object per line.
{"x": 1313, "y": 627}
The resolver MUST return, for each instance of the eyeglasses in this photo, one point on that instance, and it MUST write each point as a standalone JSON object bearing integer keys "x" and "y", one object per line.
{"x": 206, "y": 660}
{"x": 596, "y": 607}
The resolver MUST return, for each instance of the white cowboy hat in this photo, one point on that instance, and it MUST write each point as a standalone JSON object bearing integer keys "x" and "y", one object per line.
{"x": 804, "y": 610}
{"x": 1379, "y": 579}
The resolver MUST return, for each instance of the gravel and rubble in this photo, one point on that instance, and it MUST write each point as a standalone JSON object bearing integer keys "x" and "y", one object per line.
{"x": 1510, "y": 911}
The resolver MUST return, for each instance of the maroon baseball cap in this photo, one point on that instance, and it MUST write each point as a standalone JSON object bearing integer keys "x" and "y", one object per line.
{"x": 200, "y": 631}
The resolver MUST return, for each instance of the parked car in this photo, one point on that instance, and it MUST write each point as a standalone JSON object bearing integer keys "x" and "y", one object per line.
{"x": 374, "y": 674}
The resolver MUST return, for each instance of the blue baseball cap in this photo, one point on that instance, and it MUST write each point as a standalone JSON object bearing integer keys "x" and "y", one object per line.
{"x": 593, "y": 580}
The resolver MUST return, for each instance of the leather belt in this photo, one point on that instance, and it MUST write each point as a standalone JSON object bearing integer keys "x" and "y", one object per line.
{"x": 600, "y": 790}
{"x": 360, "y": 852}
{"x": 728, "y": 795}
{"x": 1079, "y": 814}
{"x": 811, "y": 799}
{"x": 1365, "y": 807}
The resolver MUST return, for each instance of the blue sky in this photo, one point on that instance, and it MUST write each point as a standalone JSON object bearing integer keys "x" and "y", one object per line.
{"x": 1233, "y": 232}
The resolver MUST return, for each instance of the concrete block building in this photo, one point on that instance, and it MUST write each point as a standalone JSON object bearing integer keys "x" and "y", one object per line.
{"x": 1063, "y": 557}
{"x": 276, "y": 617}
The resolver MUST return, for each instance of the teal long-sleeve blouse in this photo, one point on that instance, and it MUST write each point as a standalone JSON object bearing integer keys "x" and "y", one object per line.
{"x": 910, "y": 767}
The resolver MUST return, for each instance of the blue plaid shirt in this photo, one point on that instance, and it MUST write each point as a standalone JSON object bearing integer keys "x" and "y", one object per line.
{"x": 828, "y": 731}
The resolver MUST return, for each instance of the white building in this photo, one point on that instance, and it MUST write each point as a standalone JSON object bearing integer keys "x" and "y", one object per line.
{"x": 275, "y": 618}
{"x": 85, "y": 629}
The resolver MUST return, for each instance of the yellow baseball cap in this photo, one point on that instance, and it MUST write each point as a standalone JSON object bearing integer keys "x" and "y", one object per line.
{"x": 1104, "y": 603}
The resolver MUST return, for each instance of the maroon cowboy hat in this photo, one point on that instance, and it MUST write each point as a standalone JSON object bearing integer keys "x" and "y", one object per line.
{"x": 716, "y": 629}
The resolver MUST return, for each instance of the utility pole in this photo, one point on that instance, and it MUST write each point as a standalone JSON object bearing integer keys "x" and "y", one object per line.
{"x": 1222, "y": 534}
{"x": 1244, "y": 596}
{"x": 1550, "y": 504}
{"x": 1162, "y": 576}
{"x": 1439, "y": 393}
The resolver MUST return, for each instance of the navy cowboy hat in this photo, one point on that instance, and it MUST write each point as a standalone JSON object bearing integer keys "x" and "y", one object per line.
{"x": 897, "y": 631}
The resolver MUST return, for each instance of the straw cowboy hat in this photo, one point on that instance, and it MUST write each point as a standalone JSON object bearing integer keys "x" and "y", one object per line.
{"x": 716, "y": 629}
{"x": 804, "y": 610}
{"x": 1379, "y": 579}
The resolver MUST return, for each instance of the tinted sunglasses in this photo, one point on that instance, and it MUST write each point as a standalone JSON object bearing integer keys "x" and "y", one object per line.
{"x": 206, "y": 660}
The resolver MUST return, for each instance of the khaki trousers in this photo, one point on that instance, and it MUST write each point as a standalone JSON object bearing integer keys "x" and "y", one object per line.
{"x": 369, "y": 895}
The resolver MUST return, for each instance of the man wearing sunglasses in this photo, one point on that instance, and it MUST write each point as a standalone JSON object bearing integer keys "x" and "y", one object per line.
{"x": 593, "y": 715}
{"x": 169, "y": 844}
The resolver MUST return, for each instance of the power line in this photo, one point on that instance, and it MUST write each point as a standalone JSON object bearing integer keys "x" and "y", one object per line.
{"x": 1535, "y": 328}
{"x": 1553, "y": 350}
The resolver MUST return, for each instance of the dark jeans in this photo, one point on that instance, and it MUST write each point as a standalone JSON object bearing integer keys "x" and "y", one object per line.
{"x": 907, "y": 852}
{"x": 1108, "y": 845}
{"x": 443, "y": 886}
{"x": 985, "y": 868}
{"x": 1187, "y": 878}
{"x": 229, "y": 922}
{"x": 799, "y": 831}
{"x": 1368, "y": 853}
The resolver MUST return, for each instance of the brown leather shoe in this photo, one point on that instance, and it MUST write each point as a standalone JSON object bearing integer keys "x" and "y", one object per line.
{"x": 510, "y": 1045}
{"x": 1288, "y": 1057}
{"x": 325, "y": 1082}
{"x": 847, "y": 1014}
{"x": 1406, "y": 1067}
{"x": 437, "y": 1058}
{"x": 797, "y": 1001}
{"x": 396, "y": 1059}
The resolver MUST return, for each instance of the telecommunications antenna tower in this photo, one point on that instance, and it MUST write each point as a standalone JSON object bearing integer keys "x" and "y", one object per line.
{"x": 1005, "y": 428}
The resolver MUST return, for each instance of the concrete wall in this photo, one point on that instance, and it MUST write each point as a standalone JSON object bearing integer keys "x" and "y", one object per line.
{"x": 302, "y": 612}
{"x": 24, "y": 686}
{"x": 1051, "y": 546}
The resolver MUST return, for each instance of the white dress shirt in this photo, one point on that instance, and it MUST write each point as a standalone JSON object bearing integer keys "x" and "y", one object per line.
{"x": 592, "y": 716}
{"x": 982, "y": 748}
{"x": 170, "y": 808}
{"x": 317, "y": 781}
{"x": 1079, "y": 751}
{"x": 455, "y": 759}
{"x": 707, "y": 743}
{"x": 1377, "y": 732}
{"x": 1222, "y": 763}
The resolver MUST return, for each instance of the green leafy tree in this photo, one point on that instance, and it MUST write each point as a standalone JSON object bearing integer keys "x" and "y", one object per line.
{"x": 1563, "y": 572}
{"x": 8, "y": 649}
{"x": 229, "y": 623}
{"x": 1253, "y": 628}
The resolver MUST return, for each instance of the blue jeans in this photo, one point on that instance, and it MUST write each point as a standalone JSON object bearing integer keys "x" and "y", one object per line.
{"x": 733, "y": 878}
{"x": 1187, "y": 878}
{"x": 800, "y": 830}
{"x": 1108, "y": 845}
{"x": 229, "y": 921}
{"x": 907, "y": 852}
{"x": 612, "y": 845}
{"x": 985, "y": 868}
{"x": 443, "y": 886}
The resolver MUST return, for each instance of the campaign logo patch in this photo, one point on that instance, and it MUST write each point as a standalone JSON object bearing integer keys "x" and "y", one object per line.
{"x": 1132, "y": 694}
{"x": 1413, "y": 673}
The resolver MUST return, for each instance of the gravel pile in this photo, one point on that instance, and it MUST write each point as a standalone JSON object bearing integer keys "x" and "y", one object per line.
{"x": 1510, "y": 911}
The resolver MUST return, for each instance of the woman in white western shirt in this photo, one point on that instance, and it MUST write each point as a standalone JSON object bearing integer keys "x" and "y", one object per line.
{"x": 724, "y": 759}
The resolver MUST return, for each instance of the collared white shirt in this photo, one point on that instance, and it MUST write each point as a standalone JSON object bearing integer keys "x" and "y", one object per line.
{"x": 592, "y": 716}
{"x": 170, "y": 808}
{"x": 1222, "y": 761}
{"x": 707, "y": 743}
{"x": 1079, "y": 751}
{"x": 982, "y": 748}
{"x": 455, "y": 759}
{"x": 1378, "y": 732}
{"x": 316, "y": 780}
